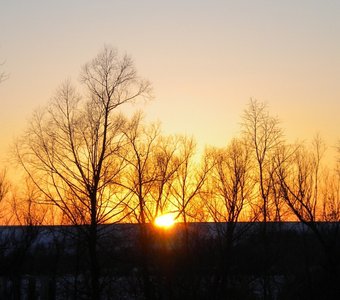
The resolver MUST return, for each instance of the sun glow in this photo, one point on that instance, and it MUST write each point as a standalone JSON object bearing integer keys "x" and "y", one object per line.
{"x": 165, "y": 221}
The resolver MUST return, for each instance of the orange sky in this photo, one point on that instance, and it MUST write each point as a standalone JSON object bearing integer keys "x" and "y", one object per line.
{"x": 205, "y": 60}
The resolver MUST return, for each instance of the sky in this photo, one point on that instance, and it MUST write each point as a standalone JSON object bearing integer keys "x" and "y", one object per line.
{"x": 205, "y": 60}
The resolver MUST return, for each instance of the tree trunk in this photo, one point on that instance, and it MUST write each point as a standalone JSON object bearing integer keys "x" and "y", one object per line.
{"x": 94, "y": 266}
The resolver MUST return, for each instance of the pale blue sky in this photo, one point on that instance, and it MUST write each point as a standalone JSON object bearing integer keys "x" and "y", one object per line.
{"x": 204, "y": 58}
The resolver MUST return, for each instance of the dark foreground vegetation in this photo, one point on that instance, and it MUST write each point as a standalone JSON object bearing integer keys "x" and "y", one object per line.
{"x": 196, "y": 261}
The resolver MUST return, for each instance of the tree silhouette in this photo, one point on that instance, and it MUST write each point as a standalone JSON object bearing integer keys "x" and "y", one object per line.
{"x": 264, "y": 136}
{"x": 70, "y": 150}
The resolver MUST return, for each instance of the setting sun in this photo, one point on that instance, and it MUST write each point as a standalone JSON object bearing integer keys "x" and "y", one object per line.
{"x": 165, "y": 221}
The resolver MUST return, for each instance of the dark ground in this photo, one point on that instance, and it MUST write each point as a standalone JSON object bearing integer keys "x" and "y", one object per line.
{"x": 200, "y": 261}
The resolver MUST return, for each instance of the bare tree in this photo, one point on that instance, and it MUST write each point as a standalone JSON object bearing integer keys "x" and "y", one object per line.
{"x": 331, "y": 197}
{"x": 264, "y": 136}
{"x": 189, "y": 180}
{"x": 70, "y": 149}
{"x": 331, "y": 191}
{"x": 141, "y": 174}
{"x": 299, "y": 179}
{"x": 166, "y": 162}
{"x": 230, "y": 176}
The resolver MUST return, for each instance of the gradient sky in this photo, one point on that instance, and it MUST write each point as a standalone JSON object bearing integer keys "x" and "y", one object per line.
{"x": 205, "y": 60}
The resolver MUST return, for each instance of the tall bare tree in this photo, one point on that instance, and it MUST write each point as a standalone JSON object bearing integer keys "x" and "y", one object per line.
{"x": 70, "y": 148}
{"x": 264, "y": 136}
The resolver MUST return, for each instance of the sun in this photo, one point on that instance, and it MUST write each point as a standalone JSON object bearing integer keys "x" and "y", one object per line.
{"x": 165, "y": 221}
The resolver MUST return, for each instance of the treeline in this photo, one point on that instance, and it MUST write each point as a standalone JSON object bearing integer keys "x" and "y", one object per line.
{"x": 88, "y": 164}
{"x": 85, "y": 162}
